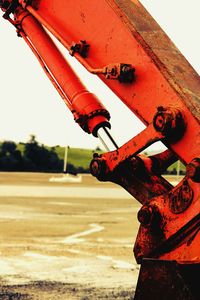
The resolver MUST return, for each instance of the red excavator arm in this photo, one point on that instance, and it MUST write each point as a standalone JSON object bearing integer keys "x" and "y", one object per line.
{"x": 120, "y": 42}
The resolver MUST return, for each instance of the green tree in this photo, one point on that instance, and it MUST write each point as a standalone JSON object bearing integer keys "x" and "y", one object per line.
{"x": 38, "y": 158}
{"x": 10, "y": 158}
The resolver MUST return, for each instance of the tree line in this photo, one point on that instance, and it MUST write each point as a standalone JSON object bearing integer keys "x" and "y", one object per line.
{"x": 33, "y": 158}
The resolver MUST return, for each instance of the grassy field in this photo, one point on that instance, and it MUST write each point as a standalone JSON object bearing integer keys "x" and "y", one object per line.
{"x": 173, "y": 168}
{"x": 76, "y": 156}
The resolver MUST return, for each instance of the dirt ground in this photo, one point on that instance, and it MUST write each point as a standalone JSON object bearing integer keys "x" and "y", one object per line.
{"x": 66, "y": 240}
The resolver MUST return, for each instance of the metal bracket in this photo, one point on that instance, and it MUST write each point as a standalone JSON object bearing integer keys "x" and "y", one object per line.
{"x": 125, "y": 73}
{"x": 9, "y": 7}
{"x": 82, "y": 48}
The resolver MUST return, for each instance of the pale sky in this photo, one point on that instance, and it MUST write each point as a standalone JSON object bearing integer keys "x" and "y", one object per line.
{"x": 30, "y": 105}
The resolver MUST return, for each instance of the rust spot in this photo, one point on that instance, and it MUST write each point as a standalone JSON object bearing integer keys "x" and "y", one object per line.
{"x": 83, "y": 17}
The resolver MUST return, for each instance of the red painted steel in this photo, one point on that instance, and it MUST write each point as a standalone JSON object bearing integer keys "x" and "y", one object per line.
{"x": 164, "y": 93}
{"x": 81, "y": 102}
{"x": 114, "y": 38}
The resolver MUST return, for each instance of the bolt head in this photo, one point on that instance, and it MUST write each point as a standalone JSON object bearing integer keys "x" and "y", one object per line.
{"x": 98, "y": 168}
{"x": 159, "y": 123}
{"x": 169, "y": 122}
{"x": 94, "y": 168}
{"x": 145, "y": 215}
{"x": 127, "y": 73}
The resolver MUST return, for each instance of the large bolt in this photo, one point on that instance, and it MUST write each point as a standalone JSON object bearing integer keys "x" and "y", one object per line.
{"x": 193, "y": 170}
{"x": 127, "y": 73}
{"x": 145, "y": 215}
{"x": 162, "y": 120}
{"x": 94, "y": 168}
{"x": 98, "y": 168}
{"x": 169, "y": 122}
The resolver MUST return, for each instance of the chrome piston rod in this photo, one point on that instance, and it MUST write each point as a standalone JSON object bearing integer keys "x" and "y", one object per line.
{"x": 106, "y": 139}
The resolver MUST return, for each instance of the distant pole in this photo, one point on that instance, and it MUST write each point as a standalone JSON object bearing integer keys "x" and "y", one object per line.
{"x": 65, "y": 160}
{"x": 178, "y": 169}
